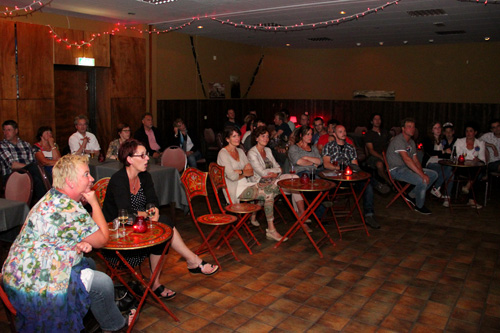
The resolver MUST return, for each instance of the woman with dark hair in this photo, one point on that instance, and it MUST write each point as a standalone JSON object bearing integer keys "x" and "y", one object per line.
{"x": 449, "y": 139}
{"x": 434, "y": 151}
{"x": 123, "y": 132}
{"x": 132, "y": 188}
{"x": 304, "y": 157}
{"x": 473, "y": 150}
{"x": 46, "y": 151}
{"x": 238, "y": 172}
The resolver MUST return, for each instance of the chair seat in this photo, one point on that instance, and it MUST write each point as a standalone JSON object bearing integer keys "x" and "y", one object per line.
{"x": 217, "y": 219}
{"x": 242, "y": 208}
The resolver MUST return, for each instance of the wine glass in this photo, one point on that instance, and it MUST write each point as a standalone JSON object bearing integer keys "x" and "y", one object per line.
{"x": 150, "y": 210}
{"x": 292, "y": 169}
{"x": 123, "y": 218}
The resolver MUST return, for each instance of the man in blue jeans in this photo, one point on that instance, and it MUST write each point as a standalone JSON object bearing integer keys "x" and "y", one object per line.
{"x": 339, "y": 150}
{"x": 405, "y": 166}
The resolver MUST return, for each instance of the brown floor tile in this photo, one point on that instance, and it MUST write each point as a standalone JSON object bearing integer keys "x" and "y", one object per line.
{"x": 491, "y": 322}
{"x": 193, "y": 324}
{"x": 412, "y": 302}
{"x": 333, "y": 322}
{"x": 438, "y": 309}
{"x": 433, "y": 320}
{"x": 257, "y": 285}
{"x": 271, "y": 317}
{"x": 385, "y": 296}
{"x": 308, "y": 313}
{"x": 262, "y": 298}
{"x": 344, "y": 310}
{"x": 319, "y": 302}
{"x": 212, "y": 312}
{"x": 213, "y": 297}
{"x": 420, "y": 328}
{"x": 196, "y": 307}
{"x": 361, "y": 290}
{"x": 228, "y": 302}
{"x": 294, "y": 324}
{"x": 455, "y": 325}
{"x": 356, "y": 327}
{"x": 213, "y": 328}
{"x": 254, "y": 326}
{"x": 276, "y": 290}
{"x": 297, "y": 296}
{"x": 285, "y": 306}
{"x": 329, "y": 292}
{"x": 470, "y": 304}
{"x": 197, "y": 291}
{"x": 353, "y": 299}
{"x": 396, "y": 324}
{"x": 247, "y": 309}
{"x": 369, "y": 317}
{"x": 231, "y": 320}
{"x": 394, "y": 287}
{"x": 405, "y": 312}
{"x": 377, "y": 306}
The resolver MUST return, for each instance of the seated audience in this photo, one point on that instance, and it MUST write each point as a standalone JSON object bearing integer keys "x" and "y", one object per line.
{"x": 449, "y": 139}
{"x": 18, "y": 154}
{"x": 83, "y": 142}
{"x": 249, "y": 126}
{"x": 304, "y": 157}
{"x": 283, "y": 131}
{"x": 46, "y": 150}
{"x": 287, "y": 119}
{"x": 304, "y": 120}
{"x": 266, "y": 168}
{"x": 237, "y": 171}
{"x": 231, "y": 119}
{"x": 48, "y": 280}
{"x": 319, "y": 129}
{"x": 188, "y": 142}
{"x": 405, "y": 166}
{"x": 151, "y": 137}
{"x": 434, "y": 151}
{"x": 245, "y": 128}
{"x": 492, "y": 142}
{"x": 330, "y": 135}
{"x": 123, "y": 131}
{"x": 473, "y": 149}
{"x": 132, "y": 188}
{"x": 376, "y": 140}
{"x": 343, "y": 153}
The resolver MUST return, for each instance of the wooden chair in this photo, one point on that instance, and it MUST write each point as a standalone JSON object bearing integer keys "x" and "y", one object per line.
{"x": 244, "y": 210}
{"x": 401, "y": 187}
{"x": 174, "y": 157}
{"x": 195, "y": 184}
{"x": 45, "y": 178}
{"x": 100, "y": 187}
{"x": 19, "y": 186}
{"x": 9, "y": 309}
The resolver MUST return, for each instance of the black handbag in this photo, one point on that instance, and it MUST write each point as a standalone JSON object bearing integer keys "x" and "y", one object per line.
{"x": 124, "y": 299}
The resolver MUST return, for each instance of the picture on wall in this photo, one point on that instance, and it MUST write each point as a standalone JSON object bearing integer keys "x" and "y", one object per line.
{"x": 235, "y": 86}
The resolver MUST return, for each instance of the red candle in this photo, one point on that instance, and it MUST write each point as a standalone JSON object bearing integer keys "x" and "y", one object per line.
{"x": 348, "y": 171}
{"x": 461, "y": 159}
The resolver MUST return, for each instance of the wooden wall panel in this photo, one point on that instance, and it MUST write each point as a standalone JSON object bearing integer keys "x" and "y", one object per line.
{"x": 99, "y": 50}
{"x": 35, "y": 61}
{"x": 350, "y": 113}
{"x": 105, "y": 125}
{"x": 8, "y": 88}
{"x": 128, "y": 67}
{"x": 8, "y": 109}
{"x": 32, "y": 115}
{"x": 64, "y": 55}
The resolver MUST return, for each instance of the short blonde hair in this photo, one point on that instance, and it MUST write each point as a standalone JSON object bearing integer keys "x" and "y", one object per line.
{"x": 67, "y": 167}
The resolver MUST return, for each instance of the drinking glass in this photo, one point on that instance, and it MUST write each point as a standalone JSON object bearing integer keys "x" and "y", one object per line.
{"x": 292, "y": 169}
{"x": 150, "y": 210}
{"x": 123, "y": 218}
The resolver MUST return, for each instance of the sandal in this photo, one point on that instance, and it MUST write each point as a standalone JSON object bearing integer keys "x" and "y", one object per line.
{"x": 199, "y": 269}
{"x": 159, "y": 291}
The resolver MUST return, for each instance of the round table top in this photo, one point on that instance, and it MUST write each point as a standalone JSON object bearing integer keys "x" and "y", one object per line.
{"x": 339, "y": 177}
{"x": 467, "y": 164}
{"x": 316, "y": 185}
{"x": 160, "y": 233}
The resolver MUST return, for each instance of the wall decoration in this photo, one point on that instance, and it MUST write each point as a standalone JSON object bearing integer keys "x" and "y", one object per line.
{"x": 374, "y": 94}
{"x": 217, "y": 90}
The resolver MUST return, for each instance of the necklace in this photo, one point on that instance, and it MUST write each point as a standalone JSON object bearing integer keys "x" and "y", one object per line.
{"x": 134, "y": 184}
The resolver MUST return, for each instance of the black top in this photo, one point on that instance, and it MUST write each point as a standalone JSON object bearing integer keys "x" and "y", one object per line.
{"x": 429, "y": 151}
{"x": 176, "y": 141}
{"x": 285, "y": 128}
{"x": 141, "y": 135}
{"x": 118, "y": 193}
{"x": 379, "y": 141}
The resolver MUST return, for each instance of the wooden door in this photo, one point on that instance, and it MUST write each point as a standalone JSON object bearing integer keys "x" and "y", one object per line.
{"x": 8, "y": 89}
{"x": 71, "y": 100}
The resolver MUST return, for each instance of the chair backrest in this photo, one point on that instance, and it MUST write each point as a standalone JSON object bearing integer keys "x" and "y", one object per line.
{"x": 45, "y": 178}
{"x": 174, "y": 157}
{"x": 195, "y": 184}
{"x": 209, "y": 136}
{"x": 219, "y": 140}
{"x": 19, "y": 186}
{"x": 216, "y": 173}
{"x": 100, "y": 187}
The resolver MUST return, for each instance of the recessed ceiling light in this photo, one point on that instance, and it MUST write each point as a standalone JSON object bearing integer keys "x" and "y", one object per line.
{"x": 431, "y": 40}
{"x": 380, "y": 43}
{"x": 358, "y": 44}
{"x": 200, "y": 27}
{"x": 486, "y": 38}
{"x": 287, "y": 44}
{"x": 405, "y": 42}
{"x": 342, "y": 12}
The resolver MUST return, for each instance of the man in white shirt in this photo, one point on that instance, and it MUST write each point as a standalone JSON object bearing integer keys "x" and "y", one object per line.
{"x": 492, "y": 142}
{"x": 83, "y": 142}
{"x": 188, "y": 142}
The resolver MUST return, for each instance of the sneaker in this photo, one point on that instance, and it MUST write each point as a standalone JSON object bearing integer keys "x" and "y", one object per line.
{"x": 409, "y": 199}
{"x": 423, "y": 210}
{"x": 446, "y": 202}
{"x": 371, "y": 222}
{"x": 435, "y": 192}
{"x": 382, "y": 188}
{"x": 473, "y": 204}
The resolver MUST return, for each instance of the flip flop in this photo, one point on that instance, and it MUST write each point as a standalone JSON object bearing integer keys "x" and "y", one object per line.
{"x": 158, "y": 292}
{"x": 199, "y": 269}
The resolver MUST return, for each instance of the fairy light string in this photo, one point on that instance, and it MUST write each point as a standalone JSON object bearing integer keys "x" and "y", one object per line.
{"x": 24, "y": 11}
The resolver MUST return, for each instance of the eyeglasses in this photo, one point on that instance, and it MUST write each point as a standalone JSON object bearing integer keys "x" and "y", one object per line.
{"x": 143, "y": 155}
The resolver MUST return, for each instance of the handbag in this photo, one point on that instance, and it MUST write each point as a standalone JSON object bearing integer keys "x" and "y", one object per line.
{"x": 124, "y": 300}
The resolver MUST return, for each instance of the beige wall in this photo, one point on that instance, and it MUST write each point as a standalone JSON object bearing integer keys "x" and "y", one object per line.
{"x": 462, "y": 73}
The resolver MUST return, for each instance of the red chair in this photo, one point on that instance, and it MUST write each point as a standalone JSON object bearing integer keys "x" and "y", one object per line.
{"x": 9, "y": 309}
{"x": 401, "y": 187}
{"x": 19, "y": 186}
{"x": 244, "y": 210}
{"x": 100, "y": 187}
{"x": 174, "y": 157}
{"x": 195, "y": 184}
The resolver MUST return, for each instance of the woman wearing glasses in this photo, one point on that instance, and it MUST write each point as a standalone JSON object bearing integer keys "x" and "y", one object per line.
{"x": 132, "y": 188}
{"x": 123, "y": 131}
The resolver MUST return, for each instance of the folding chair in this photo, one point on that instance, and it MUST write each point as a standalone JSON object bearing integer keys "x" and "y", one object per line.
{"x": 195, "y": 184}
{"x": 19, "y": 186}
{"x": 401, "y": 187}
{"x": 174, "y": 157}
{"x": 9, "y": 309}
{"x": 244, "y": 210}
{"x": 100, "y": 188}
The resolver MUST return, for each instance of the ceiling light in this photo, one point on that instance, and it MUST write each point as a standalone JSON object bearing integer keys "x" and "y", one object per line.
{"x": 431, "y": 40}
{"x": 380, "y": 43}
{"x": 405, "y": 42}
{"x": 200, "y": 27}
{"x": 342, "y": 12}
{"x": 156, "y": 2}
{"x": 486, "y": 38}
{"x": 287, "y": 44}
{"x": 358, "y": 44}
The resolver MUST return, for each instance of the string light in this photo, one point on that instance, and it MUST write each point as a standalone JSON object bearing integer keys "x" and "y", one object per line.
{"x": 23, "y": 11}
{"x": 304, "y": 26}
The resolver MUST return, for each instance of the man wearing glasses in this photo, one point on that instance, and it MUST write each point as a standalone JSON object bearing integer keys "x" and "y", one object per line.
{"x": 492, "y": 142}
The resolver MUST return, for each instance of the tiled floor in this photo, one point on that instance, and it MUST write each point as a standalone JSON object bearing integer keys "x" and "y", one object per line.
{"x": 416, "y": 274}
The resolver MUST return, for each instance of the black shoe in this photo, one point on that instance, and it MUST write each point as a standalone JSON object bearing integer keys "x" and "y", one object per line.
{"x": 371, "y": 222}
{"x": 423, "y": 210}
{"x": 410, "y": 200}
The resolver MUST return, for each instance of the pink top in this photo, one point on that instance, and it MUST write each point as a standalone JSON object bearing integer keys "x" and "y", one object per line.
{"x": 152, "y": 140}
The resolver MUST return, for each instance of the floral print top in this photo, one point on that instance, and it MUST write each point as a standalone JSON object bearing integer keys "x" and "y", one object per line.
{"x": 39, "y": 265}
